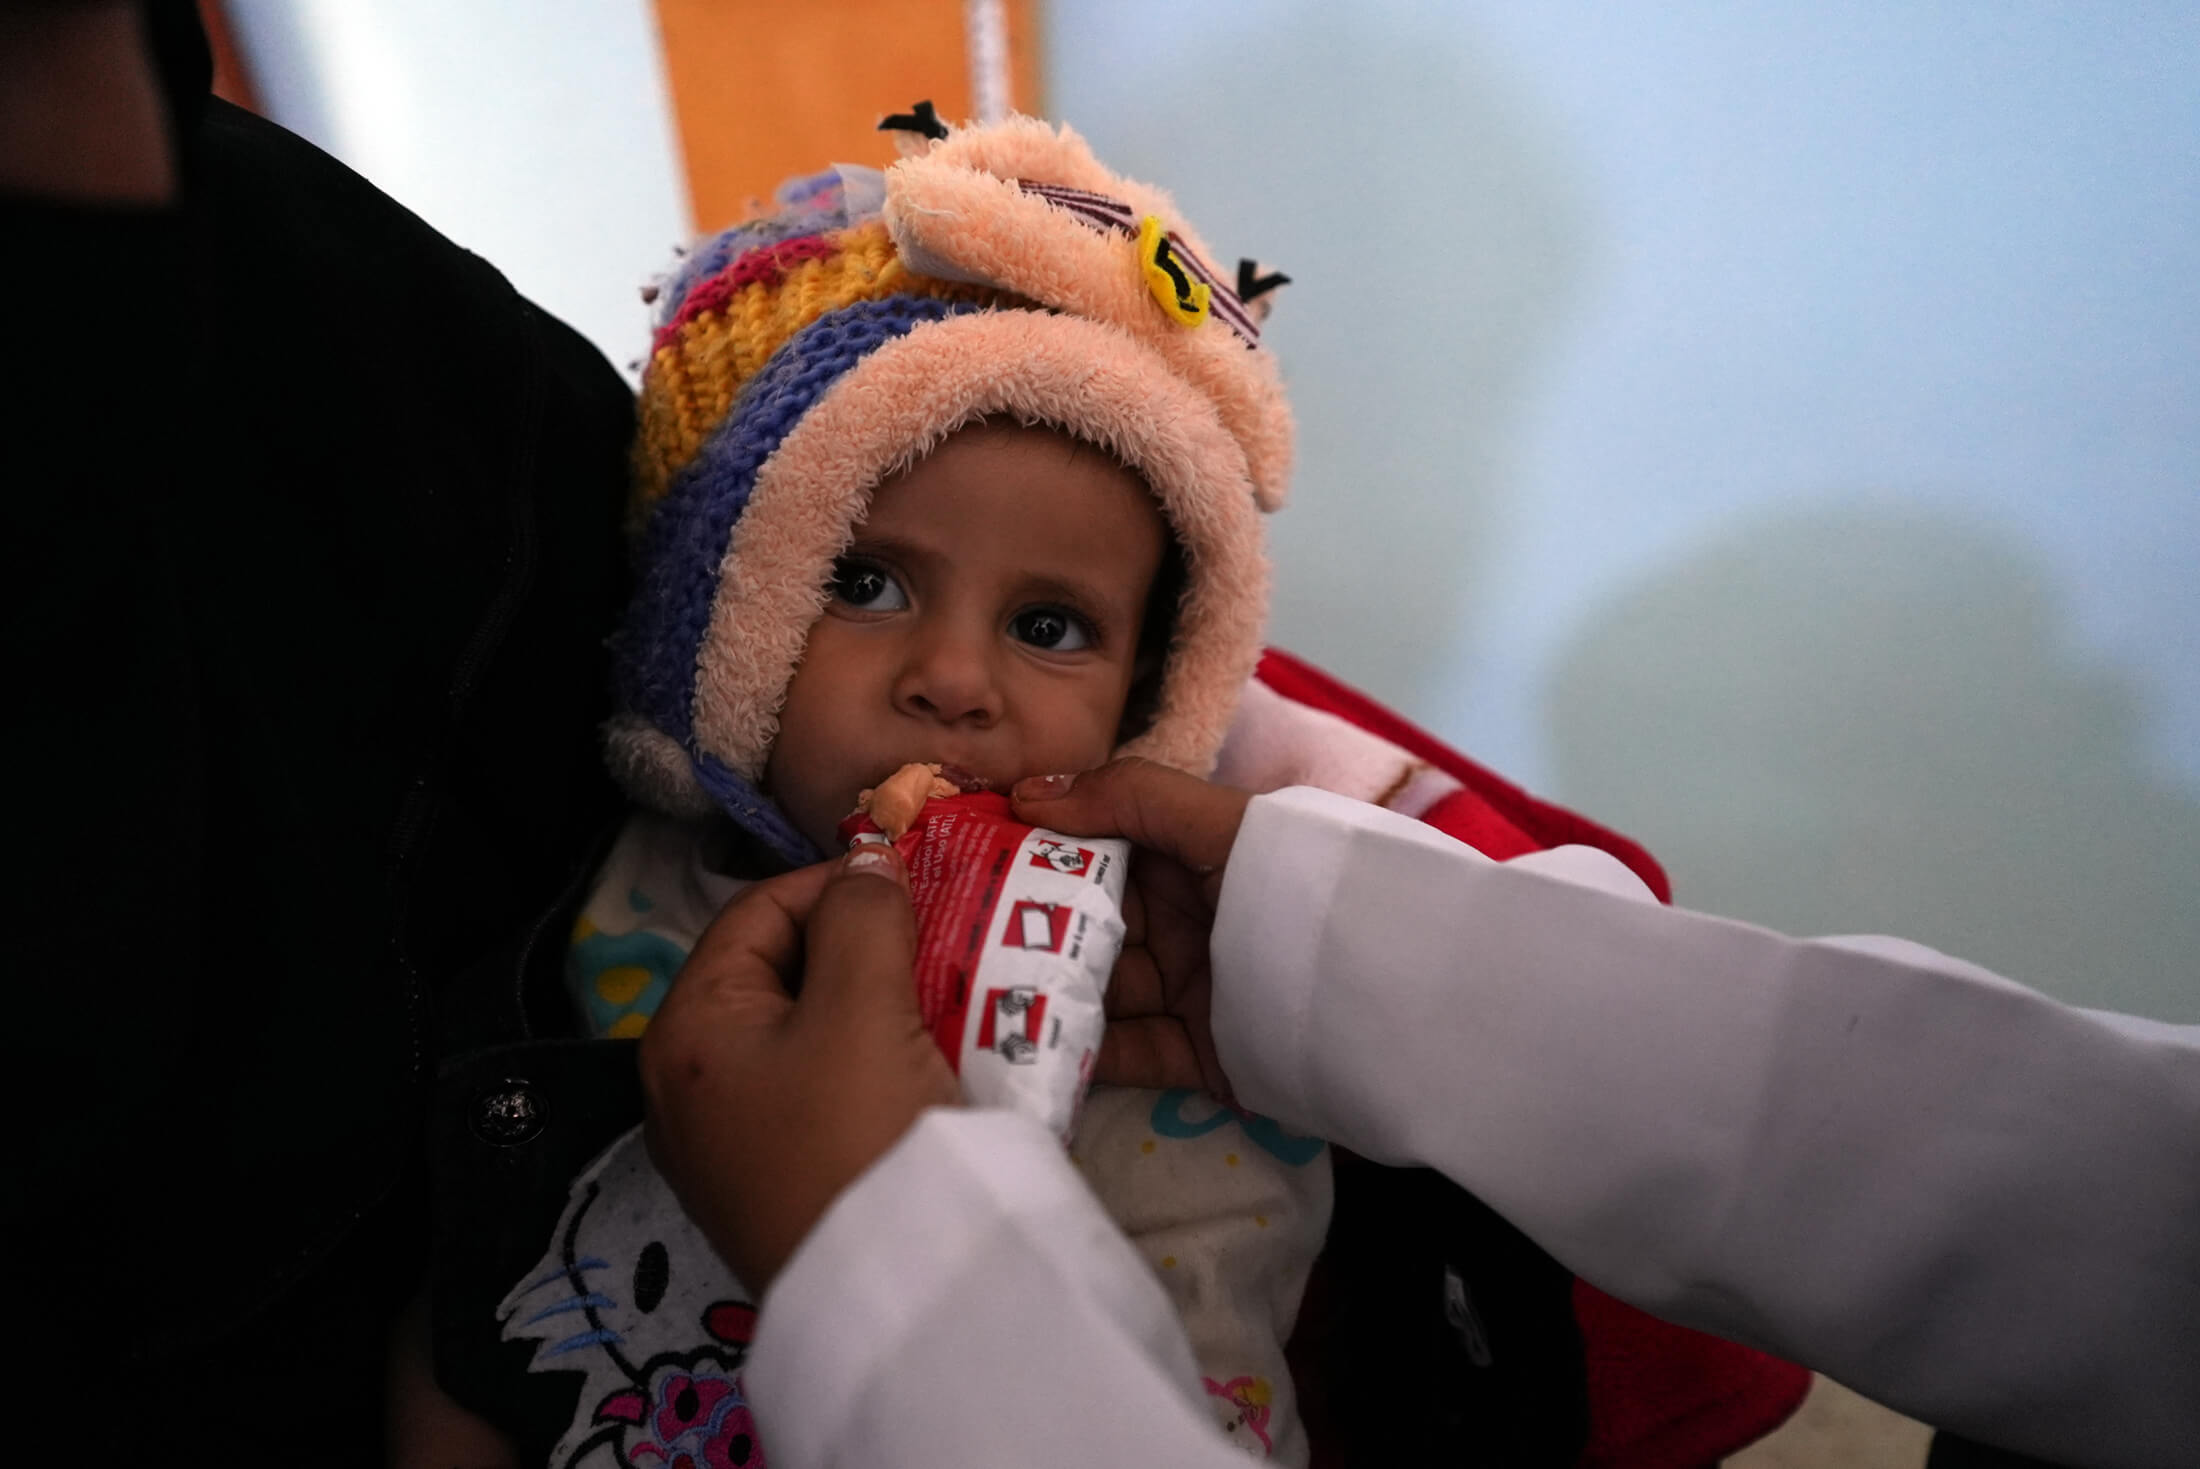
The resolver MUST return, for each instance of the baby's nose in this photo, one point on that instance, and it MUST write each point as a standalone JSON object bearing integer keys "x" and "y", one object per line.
{"x": 950, "y": 677}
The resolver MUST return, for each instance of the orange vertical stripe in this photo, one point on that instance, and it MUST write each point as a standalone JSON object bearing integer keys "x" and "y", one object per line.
{"x": 765, "y": 91}
{"x": 1028, "y": 95}
{"x": 232, "y": 81}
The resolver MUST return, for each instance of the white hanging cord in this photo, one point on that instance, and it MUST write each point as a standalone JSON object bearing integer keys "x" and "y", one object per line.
{"x": 985, "y": 24}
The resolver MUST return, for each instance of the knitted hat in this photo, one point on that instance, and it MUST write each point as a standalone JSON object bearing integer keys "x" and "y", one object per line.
{"x": 803, "y": 358}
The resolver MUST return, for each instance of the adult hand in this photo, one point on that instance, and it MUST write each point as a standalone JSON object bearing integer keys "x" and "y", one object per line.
{"x": 763, "y": 1106}
{"x": 1158, "y": 1033}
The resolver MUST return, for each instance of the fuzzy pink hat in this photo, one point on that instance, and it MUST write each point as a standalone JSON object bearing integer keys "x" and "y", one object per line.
{"x": 804, "y": 358}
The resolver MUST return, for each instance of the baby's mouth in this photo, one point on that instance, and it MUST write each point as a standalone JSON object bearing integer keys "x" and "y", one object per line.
{"x": 962, "y": 777}
{"x": 963, "y": 780}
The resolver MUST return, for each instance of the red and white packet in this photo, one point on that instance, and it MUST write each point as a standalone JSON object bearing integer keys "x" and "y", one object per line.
{"x": 1018, "y": 929}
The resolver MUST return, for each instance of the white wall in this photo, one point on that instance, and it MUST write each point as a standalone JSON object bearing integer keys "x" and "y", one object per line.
{"x": 537, "y": 133}
{"x": 1772, "y": 429}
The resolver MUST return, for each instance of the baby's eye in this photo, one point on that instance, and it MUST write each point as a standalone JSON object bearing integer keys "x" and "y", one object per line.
{"x": 867, "y": 587}
{"x": 1053, "y": 629}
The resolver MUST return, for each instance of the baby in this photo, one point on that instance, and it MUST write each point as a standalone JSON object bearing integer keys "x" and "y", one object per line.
{"x": 964, "y": 463}
{"x": 960, "y": 463}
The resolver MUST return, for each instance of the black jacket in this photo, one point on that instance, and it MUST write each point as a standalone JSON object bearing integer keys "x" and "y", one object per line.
{"x": 312, "y": 528}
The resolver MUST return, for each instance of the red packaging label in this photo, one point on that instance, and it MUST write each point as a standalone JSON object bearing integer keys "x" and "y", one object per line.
{"x": 1017, "y": 931}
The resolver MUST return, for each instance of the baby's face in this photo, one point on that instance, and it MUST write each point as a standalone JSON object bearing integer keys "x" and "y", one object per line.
{"x": 987, "y": 616}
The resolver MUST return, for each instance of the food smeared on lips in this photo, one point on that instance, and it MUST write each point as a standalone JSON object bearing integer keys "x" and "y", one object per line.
{"x": 895, "y": 801}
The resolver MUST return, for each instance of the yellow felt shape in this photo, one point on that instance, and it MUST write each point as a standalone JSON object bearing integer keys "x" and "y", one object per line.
{"x": 1185, "y": 299}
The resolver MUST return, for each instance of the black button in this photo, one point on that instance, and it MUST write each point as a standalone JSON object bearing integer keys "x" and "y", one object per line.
{"x": 508, "y": 1114}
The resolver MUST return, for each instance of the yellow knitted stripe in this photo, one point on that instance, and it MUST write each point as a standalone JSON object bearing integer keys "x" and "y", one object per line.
{"x": 693, "y": 379}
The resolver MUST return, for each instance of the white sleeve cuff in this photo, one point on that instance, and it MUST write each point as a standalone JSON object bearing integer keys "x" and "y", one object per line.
{"x": 967, "y": 1301}
{"x": 1263, "y": 951}
{"x": 1270, "y": 933}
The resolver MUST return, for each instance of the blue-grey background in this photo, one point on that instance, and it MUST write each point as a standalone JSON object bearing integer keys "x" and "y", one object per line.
{"x": 1774, "y": 430}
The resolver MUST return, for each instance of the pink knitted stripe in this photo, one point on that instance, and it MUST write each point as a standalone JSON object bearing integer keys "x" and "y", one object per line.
{"x": 766, "y": 266}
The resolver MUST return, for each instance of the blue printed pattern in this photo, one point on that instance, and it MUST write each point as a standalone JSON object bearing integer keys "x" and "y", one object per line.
{"x": 591, "y": 1334}
{"x": 1270, "y": 1136}
{"x": 595, "y": 954}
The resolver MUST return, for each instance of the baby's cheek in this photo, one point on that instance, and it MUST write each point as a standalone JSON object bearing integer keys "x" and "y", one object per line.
{"x": 794, "y": 776}
{"x": 1087, "y": 741}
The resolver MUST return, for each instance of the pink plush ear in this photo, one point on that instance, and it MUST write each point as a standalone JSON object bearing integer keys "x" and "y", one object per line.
{"x": 964, "y": 210}
{"x": 624, "y": 1406}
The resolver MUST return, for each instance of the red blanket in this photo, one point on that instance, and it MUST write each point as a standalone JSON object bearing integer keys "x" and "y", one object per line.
{"x": 1660, "y": 1396}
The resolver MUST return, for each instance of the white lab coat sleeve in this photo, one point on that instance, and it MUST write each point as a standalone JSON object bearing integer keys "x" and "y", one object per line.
{"x": 1969, "y": 1201}
{"x": 967, "y": 1302}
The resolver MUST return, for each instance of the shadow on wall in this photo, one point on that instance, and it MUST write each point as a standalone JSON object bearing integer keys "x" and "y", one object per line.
{"x": 1865, "y": 719}
{"x": 1433, "y": 240}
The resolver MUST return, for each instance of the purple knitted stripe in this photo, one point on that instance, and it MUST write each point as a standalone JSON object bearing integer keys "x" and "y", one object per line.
{"x": 655, "y": 649}
{"x": 654, "y": 652}
{"x": 756, "y": 813}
